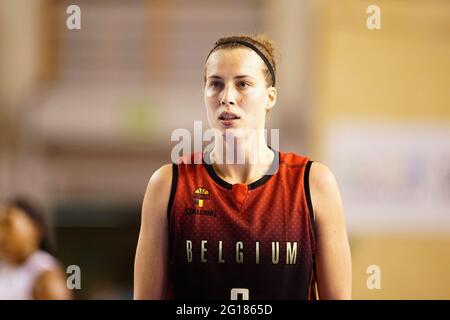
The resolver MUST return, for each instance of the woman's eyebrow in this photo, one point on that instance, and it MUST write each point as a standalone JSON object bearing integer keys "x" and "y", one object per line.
{"x": 244, "y": 76}
{"x": 236, "y": 77}
{"x": 215, "y": 77}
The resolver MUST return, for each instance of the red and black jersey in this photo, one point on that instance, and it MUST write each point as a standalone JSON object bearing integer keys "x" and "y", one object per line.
{"x": 239, "y": 241}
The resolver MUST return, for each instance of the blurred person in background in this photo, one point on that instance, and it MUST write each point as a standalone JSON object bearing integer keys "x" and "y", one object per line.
{"x": 210, "y": 230}
{"x": 27, "y": 269}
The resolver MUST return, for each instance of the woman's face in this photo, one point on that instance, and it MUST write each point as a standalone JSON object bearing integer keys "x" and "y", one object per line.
{"x": 235, "y": 93}
{"x": 19, "y": 235}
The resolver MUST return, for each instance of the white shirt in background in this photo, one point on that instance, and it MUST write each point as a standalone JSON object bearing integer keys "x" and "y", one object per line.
{"x": 17, "y": 282}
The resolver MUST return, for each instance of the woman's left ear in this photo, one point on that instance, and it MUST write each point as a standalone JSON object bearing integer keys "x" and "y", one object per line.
{"x": 272, "y": 98}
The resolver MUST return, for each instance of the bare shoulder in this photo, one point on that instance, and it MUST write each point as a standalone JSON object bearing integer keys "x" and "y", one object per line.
{"x": 323, "y": 187}
{"x": 321, "y": 177}
{"x": 158, "y": 191}
{"x": 161, "y": 177}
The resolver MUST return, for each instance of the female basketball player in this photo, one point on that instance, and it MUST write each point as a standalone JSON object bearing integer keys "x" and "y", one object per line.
{"x": 27, "y": 270}
{"x": 270, "y": 229}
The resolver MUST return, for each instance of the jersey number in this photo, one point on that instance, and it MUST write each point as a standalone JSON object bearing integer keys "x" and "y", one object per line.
{"x": 236, "y": 292}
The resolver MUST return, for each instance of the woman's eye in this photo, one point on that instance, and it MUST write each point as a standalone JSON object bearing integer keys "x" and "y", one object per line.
{"x": 214, "y": 84}
{"x": 243, "y": 84}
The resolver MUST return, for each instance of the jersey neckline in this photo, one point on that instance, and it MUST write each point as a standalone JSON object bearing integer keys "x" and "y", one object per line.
{"x": 269, "y": 174}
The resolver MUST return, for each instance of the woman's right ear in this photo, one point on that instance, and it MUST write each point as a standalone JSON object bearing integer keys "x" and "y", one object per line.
{"x": 272, "y": 98}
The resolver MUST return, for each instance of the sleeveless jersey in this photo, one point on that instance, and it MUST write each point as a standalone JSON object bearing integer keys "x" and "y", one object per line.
{"x": 239, "y": 241}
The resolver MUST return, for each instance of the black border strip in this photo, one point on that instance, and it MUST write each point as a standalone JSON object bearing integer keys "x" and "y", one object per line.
{"x": 173, "y": 189}
{"x": 271, "y": 309}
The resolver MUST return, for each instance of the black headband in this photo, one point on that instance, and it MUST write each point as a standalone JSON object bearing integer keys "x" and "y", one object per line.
{"x": 254, "y": 48}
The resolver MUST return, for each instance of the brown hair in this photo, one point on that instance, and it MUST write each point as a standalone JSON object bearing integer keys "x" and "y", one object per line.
{"x": 261, "y": 41}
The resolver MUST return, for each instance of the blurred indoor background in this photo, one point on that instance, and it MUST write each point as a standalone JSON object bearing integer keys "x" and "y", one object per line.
{"x": 86, "y": 117}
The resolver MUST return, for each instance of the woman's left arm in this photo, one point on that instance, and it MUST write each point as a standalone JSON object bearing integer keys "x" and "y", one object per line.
{"x": 333, "y": 258}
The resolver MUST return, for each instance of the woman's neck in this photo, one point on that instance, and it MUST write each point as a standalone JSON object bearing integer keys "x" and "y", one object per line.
{"x": 243, "y": 162}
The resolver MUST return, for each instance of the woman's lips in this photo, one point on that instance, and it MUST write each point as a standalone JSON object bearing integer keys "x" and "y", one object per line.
{"x": 228, "y": 122}
{"x": 228, "y": 118}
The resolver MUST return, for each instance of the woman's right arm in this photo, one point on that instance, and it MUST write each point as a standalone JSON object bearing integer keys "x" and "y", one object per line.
{"x": 151, "y": 261}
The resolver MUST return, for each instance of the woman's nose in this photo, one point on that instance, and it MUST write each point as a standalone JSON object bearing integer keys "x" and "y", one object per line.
{"x": 228, "y": 97}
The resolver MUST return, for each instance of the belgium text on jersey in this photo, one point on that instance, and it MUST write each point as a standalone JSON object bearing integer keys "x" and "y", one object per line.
{"x": 201, "y": 250}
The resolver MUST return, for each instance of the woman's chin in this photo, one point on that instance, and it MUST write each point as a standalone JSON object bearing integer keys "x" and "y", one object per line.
{"x": 235, "y": 130}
